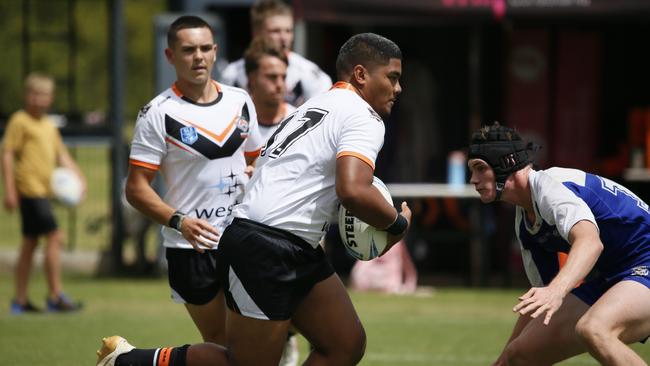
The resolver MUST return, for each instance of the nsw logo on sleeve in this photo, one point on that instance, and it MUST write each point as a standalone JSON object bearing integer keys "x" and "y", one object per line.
{"x": 189, "y": 135}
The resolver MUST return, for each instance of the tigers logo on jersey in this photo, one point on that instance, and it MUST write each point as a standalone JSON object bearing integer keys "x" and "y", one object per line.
{"x": 189, "y": 135}
{"x": 243, "y": 125}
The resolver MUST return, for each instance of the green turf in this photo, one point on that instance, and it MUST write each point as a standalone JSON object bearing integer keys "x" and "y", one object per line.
{"x": 450, "y": 327}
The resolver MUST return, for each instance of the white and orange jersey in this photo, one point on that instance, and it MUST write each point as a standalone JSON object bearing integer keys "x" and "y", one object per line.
{"x": 199, "y": 149}
{"x": 293, "y": 187}
{"x": 304, "y": 78}
{"x": 267, "y": 129}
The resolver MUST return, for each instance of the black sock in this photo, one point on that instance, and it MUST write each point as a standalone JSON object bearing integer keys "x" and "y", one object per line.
{"x": 167, "y": 356}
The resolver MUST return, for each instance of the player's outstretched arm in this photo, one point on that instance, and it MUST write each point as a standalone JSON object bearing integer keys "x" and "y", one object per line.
{"x": 586, "y": 247}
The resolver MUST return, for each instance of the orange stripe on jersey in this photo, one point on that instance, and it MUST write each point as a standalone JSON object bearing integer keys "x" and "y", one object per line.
{"x": 346, "y": 86}
{"x": 176, "y": 91}
{"x": 163, "y": 356}
{"x": 358, "y": 156}
{"x": 252, "y": 153}
{"x": 179, "y": 94}
{"x": 144, "y": 165}
{"x": 220, "y": 137}
{"x": 217, "y": 86}
{"x": 178, "y": 145}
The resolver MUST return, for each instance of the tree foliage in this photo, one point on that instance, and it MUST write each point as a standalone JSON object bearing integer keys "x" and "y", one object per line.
{"x": 49, "y": 51}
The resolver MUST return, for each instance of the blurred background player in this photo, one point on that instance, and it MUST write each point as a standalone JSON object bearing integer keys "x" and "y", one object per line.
{"x": 600, "y": 224}
{"x": 273, "y": 20}
{"x": 266, "y": 70}
{"x": 32, "y": 148}
{"x": 201, "y": 136}
{"x": 276, "y": 272}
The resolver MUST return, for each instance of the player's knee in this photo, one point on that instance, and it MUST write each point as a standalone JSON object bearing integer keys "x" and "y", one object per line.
{"x": 55, "y": 239}
{"x": 515, "y": 355}
{"x": 361, "y": 345}
{"x": 591, "y": 330}
{"x": 352, "y": 350}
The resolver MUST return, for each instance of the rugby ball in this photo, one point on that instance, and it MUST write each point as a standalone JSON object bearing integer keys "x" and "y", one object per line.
{"x": 362, "y": 241}
{"x": 66, "y": 186}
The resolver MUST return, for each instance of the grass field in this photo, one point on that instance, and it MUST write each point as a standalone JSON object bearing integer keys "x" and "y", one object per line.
{"x": 452, "y": 327}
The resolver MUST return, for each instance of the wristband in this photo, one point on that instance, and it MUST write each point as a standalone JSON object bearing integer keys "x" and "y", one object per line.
{"x": 399, "y": 226}
{"x": 176, "y": 221}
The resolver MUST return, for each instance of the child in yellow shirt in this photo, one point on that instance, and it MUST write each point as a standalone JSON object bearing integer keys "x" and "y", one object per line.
{"x": 32, "y": 147}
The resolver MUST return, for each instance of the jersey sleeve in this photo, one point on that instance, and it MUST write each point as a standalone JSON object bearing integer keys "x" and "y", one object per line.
{"x": 148, "y": 146}
{"x": 361, "y": 136}
{"x": 254, "y": 142}
{"x": 558, "y": 205}
{"x": 13, "y": 136}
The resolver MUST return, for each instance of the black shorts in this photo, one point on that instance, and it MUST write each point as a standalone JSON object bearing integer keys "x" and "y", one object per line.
{"x": 193, "y": 276}
{"x": 268, "y": 271}
{"x": 36, "y": 217}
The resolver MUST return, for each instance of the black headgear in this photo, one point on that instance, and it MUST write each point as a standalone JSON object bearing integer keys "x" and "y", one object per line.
{"x": 503, "y": 150}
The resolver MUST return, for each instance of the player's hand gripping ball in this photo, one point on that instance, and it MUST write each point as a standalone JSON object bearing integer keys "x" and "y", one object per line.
{"x": 362, "y": 241}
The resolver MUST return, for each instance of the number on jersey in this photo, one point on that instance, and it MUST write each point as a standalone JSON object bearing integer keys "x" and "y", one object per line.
{"x": 312, "y": 118}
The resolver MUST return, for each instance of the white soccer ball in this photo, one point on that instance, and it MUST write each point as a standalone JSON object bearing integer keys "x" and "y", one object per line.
{"x": 362, "y": 241}
{"x": 66, "y": 186}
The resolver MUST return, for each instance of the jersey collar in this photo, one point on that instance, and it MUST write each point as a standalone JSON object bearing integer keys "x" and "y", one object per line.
{"x": 345, "y": 85}
{"x": 180, "y": 95}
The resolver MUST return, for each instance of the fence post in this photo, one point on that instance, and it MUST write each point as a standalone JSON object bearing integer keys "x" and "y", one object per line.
{"x": 118, "y": 156}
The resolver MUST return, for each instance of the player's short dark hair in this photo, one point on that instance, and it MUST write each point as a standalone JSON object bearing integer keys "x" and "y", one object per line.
{"x": 367, "y": 49}
{"x": 263, "y": 9}
{"x": 185, "y": 22}
{"x": 259, "y": 48}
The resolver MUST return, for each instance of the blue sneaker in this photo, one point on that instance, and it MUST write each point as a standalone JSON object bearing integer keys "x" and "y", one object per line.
{"x": 27, "y": 307}
{"x": 62, "y": 304}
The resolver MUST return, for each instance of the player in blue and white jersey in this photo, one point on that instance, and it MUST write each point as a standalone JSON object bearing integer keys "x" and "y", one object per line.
{"x": 604, "y": 228}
